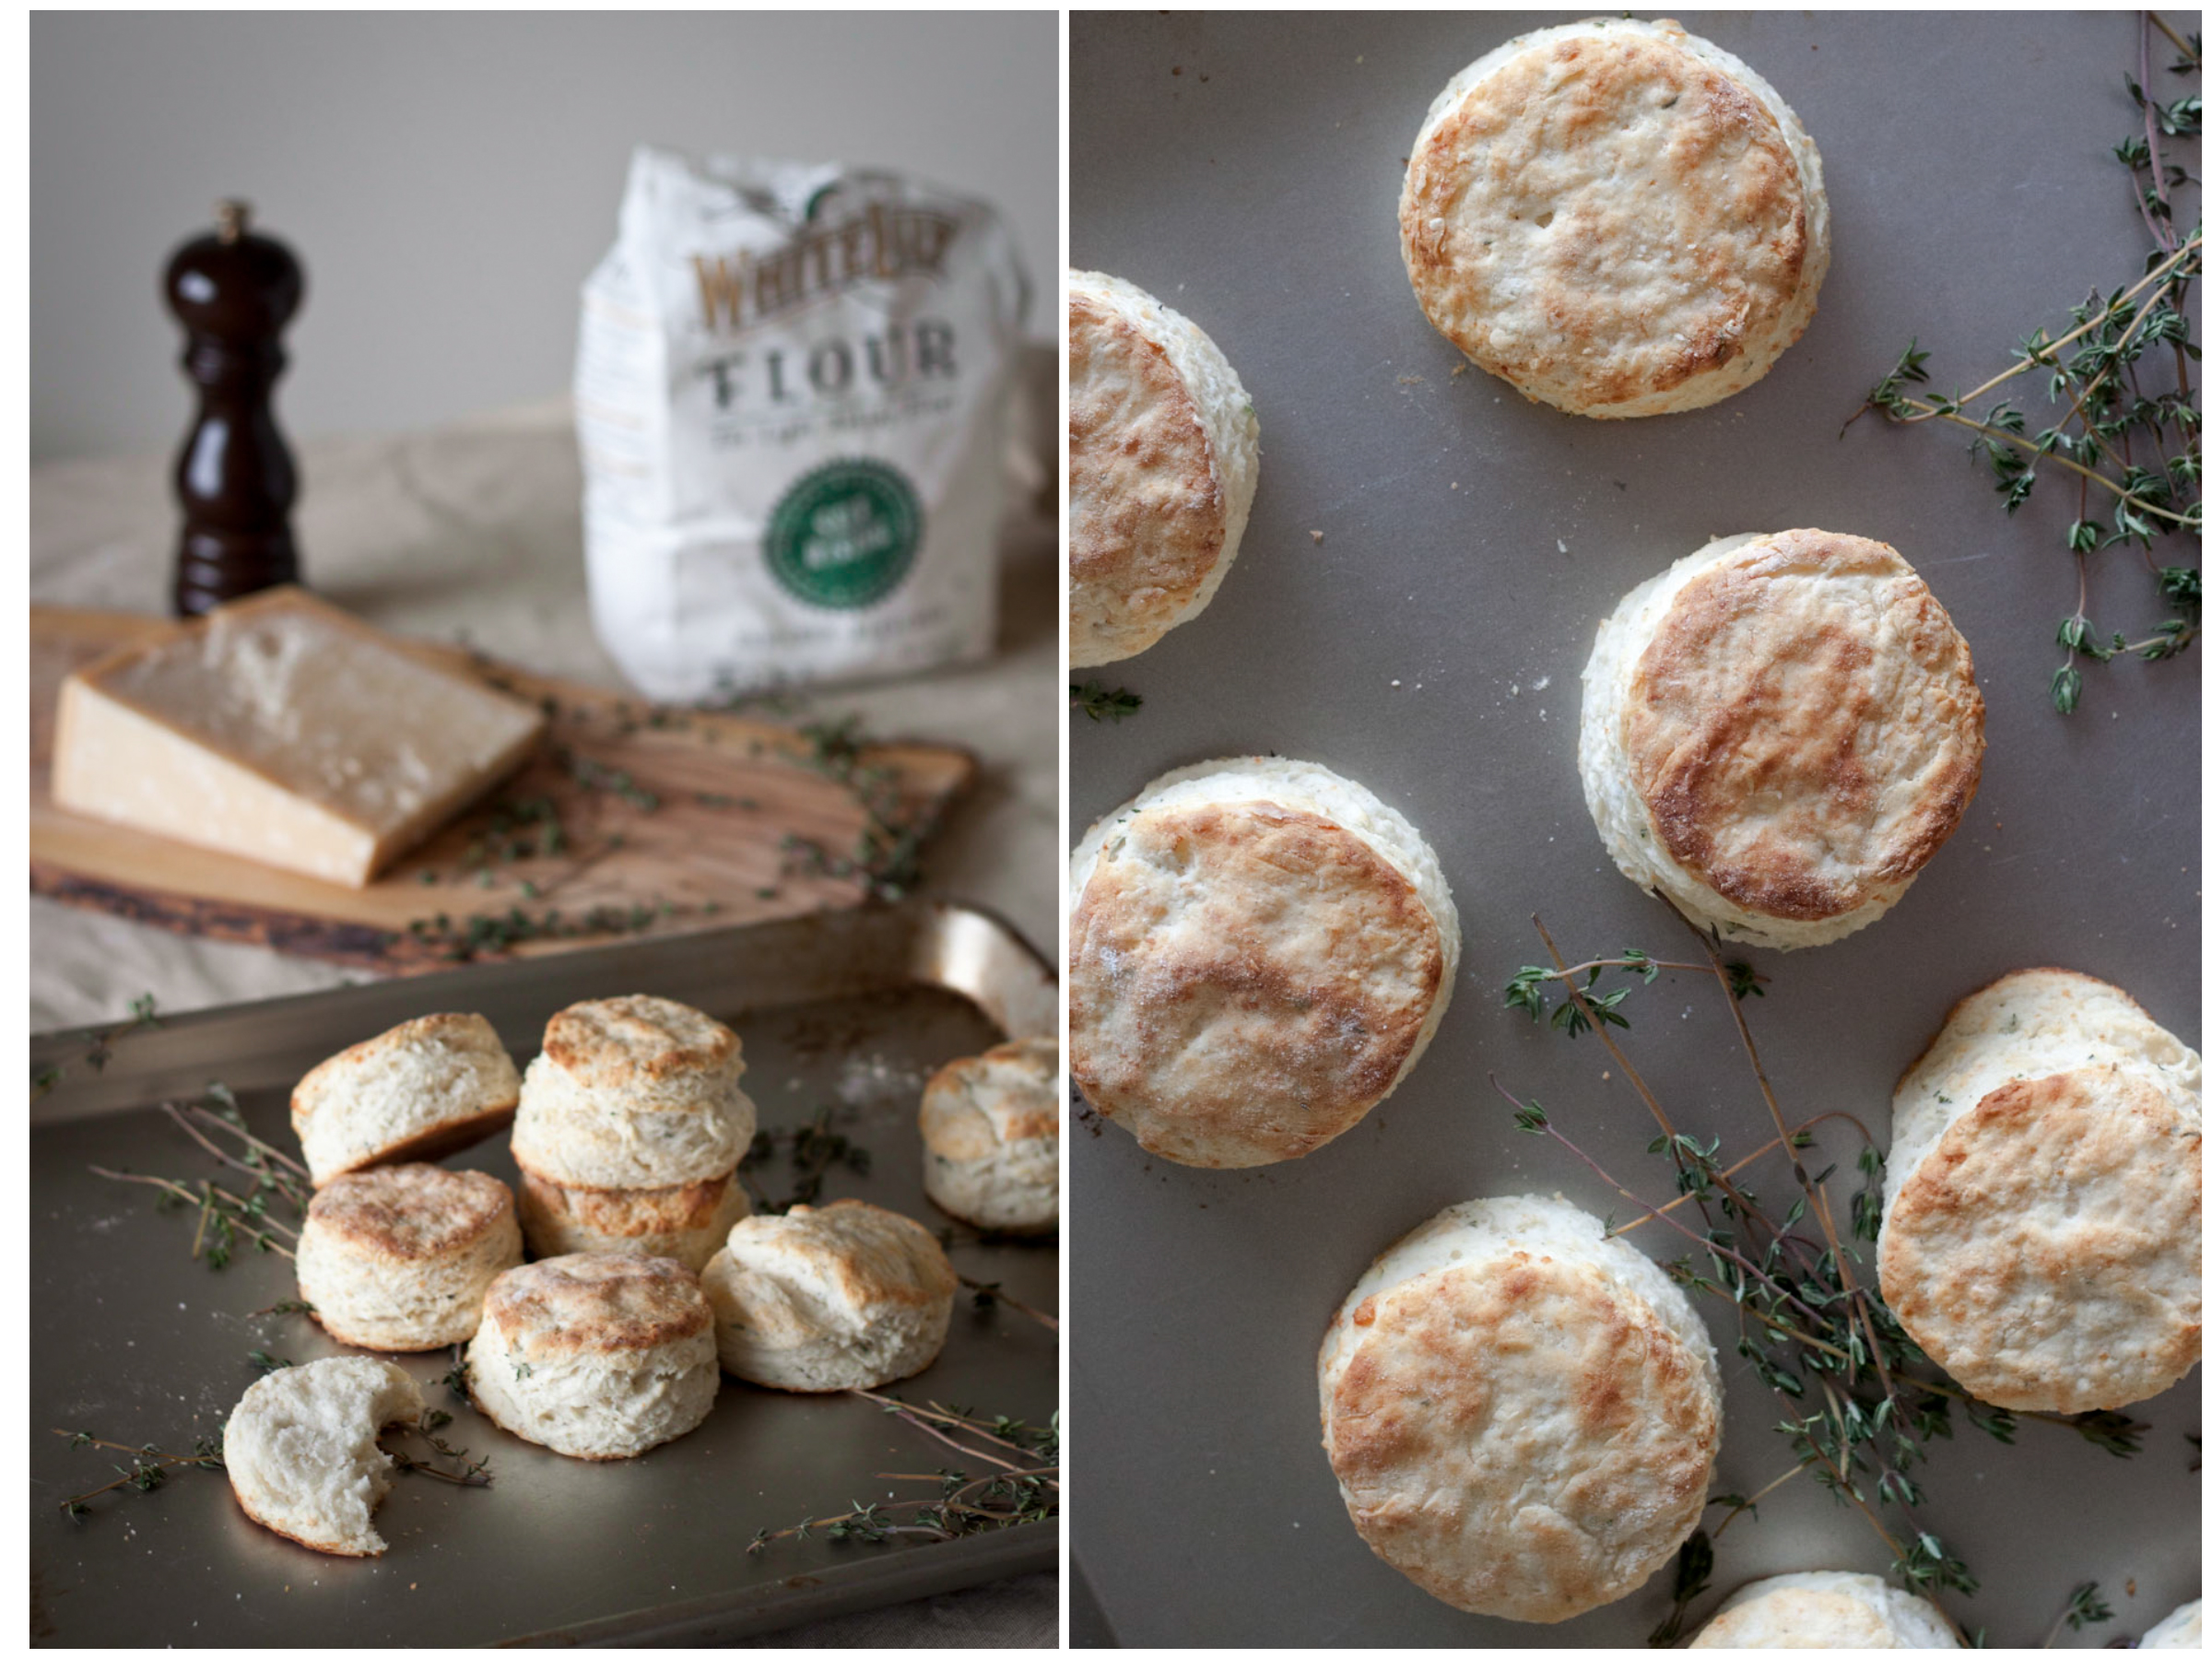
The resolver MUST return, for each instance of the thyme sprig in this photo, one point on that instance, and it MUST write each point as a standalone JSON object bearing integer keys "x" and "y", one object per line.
{"x": 1100, "y": 702}
{"x": 148, "y": 1470}
{"x": 1022, "y": 1489}
{"x": 814, "y": 1148}
{"x": 100, "y": 1048}
{"x": 989, "y": 1295}
{"x": 1574, "y": 1015}
{"x": 227, "y": 1217}
{"x": 2086, "y": 1606}
{"x": 2130, "y": 428}
{"x": 224, "y": 1216}
{"x": 1861, "y": 1400}
{"x": 887, "y": 855}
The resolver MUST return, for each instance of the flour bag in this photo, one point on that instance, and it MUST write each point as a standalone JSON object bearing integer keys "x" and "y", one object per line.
{"x": 792, "y": 387}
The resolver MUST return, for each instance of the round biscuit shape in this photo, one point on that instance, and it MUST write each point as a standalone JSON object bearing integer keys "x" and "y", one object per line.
{"x": 2041, "y": 1233}
{"x": 1779, "y": 733}
{"x": 1615, "y": 217}
{"x": 1825, "y": 1610}
{"x": 633, "y": 1091}
{"x": 847, "y": 1296}
{"x": 684, "y": 1223}
{"x": 301, "y": 1450}
{"x": 595, "y": 1356}
{"x": 398, "y": 1258}
{"x": 421, "y": 1090}
{"x": 991, "y": 1137}
{"x": 2182, "y": 1628}
{"x": 1163, "y": 461}
{"x": 1258, "y": 953}
{"x": 1523, "y": 1415}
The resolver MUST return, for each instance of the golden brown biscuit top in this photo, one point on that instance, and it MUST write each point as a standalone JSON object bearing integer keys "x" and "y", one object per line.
{"x": 427, "y": 1040}
{"x": 1803, "y": 726}
{"x": 1522, "y": 1439}
{"x": 866, "y": 1255}
{"x": 973, "y": 1106}
{"x": 1146, "y": 513}
{"x": 1244, "y": 981}
{"x": 2047, "y": 1251}
{"x": 411, "y": 1212}
{"x": 628, "y": 1041}
{"x": 596, "y": 1304}
{"x": 1605, "y": 218}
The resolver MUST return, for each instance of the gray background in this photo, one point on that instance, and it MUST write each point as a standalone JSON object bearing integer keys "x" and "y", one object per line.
{"x": 448, "y": 181}
{"x": 1974, "y": 195}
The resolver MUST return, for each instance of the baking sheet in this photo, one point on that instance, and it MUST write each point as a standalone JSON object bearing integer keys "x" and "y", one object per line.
{"x": 1245, "y": 168}
{"x": 137, "y": 1343}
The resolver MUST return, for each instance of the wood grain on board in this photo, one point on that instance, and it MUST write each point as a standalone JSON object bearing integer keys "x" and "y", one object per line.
{"x": 670, "y": 819}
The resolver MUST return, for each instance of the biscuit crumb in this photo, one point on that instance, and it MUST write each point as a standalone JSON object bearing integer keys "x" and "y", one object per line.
{"x": 1316, "y": 535}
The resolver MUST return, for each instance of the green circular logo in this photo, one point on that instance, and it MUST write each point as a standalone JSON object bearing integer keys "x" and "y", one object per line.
{"x": 844, "y": 535}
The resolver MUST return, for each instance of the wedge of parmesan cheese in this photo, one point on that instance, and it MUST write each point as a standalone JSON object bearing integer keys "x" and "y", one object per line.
{"x": 282, "y": 730}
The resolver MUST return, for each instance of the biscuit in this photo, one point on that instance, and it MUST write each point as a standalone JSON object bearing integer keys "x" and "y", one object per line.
{"x": 1163, "y": 456}
{"x": 2182, "y": 1628}
{"x": 1825, "y": 1610}
{"x": 595, "y": 1356}
{"x": 634, "y": 1092}
{"x": 2042, "y": 1214}
{"x": 1778, "y": 734}
{"x": 685, "y": 1223}
{"x": 1522, "y": 1413}
{"x": 422, "y": 1090}
{"x": 1259, "y": 951}
{"x": 847, "y": 1296}
{"x": 991, "y": 1137}
{"x": 1615, "y": 217}
{"x": 398, "y": 1258}
{"x": 301, "y": 1450}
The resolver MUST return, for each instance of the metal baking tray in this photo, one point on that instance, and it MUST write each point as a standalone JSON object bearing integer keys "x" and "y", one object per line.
{"x": 136, "y": 1342}
{"x": 1245, "y": 168}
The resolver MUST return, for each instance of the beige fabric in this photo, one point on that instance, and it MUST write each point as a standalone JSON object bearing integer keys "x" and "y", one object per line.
{"x": 473, "y": 530}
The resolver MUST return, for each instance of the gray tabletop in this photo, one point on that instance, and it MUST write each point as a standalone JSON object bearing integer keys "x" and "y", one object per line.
{"x": 1245, "y": 168}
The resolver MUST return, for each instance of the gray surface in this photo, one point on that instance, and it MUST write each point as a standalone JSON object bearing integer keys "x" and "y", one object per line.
{"x": 1968, "y": 162}
{"x": 137, "y": 1343}
{"x": 448, "y": 180}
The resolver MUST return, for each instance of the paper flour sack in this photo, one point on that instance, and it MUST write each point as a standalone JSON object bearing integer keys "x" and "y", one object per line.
{"x": 791, "y": 388}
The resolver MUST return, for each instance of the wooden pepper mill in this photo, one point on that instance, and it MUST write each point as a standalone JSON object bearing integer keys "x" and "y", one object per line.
{"x": 234, "y": 291}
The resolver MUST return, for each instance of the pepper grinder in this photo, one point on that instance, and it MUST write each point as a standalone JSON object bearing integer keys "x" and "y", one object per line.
{"x": 234, "y": 291}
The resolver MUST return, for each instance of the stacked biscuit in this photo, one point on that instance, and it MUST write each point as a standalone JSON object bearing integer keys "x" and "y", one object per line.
{"x": 628, "y": 1127}
{"x": 629, "y": 1131}
{"x": 396, "y": 1253}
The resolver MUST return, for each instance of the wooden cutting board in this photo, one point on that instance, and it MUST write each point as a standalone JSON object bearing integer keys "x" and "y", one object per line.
{"x": 633, "y": 818}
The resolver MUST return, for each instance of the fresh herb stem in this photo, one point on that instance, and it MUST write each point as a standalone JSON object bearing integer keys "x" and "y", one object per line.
{"x": 987, "y": 1294}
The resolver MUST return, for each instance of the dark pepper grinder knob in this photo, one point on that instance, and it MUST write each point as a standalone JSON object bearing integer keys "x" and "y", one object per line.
{"x": 234, "y": 291}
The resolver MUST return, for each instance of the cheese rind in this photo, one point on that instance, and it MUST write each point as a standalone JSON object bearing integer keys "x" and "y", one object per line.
{"x": 281, "y": 730}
